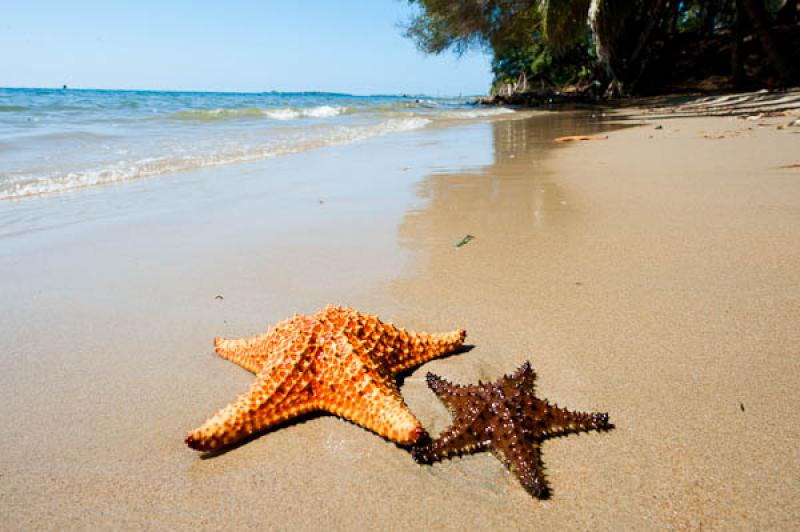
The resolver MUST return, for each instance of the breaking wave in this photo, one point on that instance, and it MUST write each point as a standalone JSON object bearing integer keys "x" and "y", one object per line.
{"x": 284, "y": 113}
{"x": 17, "y": 185}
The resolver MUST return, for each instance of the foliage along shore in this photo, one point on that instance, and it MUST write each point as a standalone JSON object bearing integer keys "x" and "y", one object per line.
{"x": 587, "y": 51}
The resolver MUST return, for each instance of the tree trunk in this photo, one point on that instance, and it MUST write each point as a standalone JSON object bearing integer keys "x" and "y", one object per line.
{"x": 737, "y": 52}
{"x": 673, "y": 20}
{"x": 788, "y": 13}
{"x": 759, "y": 18}
{"x": 623, "y": 34}
{"x": 708, "y": 12}
{"x": 644, "y": 48}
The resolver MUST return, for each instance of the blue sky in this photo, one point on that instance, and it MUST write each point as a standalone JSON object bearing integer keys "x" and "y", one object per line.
{"x": 352, "y": 46}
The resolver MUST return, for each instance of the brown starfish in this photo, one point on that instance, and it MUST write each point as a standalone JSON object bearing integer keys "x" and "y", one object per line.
{"x": 507, "y": 419}
{"x": 339, "y": 361}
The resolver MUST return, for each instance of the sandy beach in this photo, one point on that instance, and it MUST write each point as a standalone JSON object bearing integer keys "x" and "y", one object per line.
{"x": 651, "y": 273}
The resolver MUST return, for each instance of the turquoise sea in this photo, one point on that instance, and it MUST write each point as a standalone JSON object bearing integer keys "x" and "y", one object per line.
{"x": 54, "y": 140}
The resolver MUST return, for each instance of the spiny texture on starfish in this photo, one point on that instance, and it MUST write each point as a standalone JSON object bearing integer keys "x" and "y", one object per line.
{"x": 507, "y": 419}
{"x": 339, "y": 361}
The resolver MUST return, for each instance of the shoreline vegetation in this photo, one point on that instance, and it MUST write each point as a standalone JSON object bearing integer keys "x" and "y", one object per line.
{"x": 581, "y": 51}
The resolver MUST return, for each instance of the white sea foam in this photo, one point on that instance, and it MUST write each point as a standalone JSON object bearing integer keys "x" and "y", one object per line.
{"x": 404, "y": 124}
{"x": 324, "y": 111}
{"x": 289, "y": 113}
{"x": 478, "y": 113}
{"x": 279, "y": 113}
{"x": 16, "y": 185}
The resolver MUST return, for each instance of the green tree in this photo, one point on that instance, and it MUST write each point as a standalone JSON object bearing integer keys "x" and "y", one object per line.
{"x": 551, "y": 40}
{"x": 549, "y": 31}
{"x": 517, "y": 33}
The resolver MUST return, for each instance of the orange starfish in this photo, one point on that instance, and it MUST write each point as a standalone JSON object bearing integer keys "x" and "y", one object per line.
{"x": 338, "y": 361}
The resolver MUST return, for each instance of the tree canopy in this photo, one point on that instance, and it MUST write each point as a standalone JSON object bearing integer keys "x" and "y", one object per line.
{"x": 627, "y": 45}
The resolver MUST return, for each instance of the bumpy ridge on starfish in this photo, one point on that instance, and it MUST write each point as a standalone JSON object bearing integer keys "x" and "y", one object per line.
{"x": 507, "y": 419}
{"x": 339, "y": 361}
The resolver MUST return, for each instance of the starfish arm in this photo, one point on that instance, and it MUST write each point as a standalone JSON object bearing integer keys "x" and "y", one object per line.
{"x": 521, "y": 380}
{"x": 450, "y": 394}
{"x": 522, "y": 457}
{"x": 237, "y": 421}
{"x": 560, "y": 421}
{"x": 407, "y": 350}
{"x": 395, "y": 348}
{"x": 357, "y": 390}
{"x": 467, "y": 433}
{"x": 459, "y": 438}
{"x": 249, "y": 353}
{"x": 383, "y": 412}
{"x": 284, "y": 373}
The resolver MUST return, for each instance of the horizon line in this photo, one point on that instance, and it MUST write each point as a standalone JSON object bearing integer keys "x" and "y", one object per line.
{"x": 196, "y": 91}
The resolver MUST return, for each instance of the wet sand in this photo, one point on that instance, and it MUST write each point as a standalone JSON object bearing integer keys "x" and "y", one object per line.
{"x": 652, "y": 274}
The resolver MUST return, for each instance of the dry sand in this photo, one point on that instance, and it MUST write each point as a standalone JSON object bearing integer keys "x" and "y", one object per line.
{"x": 653, "y": 274}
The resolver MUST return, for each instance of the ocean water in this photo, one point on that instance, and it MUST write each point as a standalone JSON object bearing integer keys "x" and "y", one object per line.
{"x": 54, "y": 140}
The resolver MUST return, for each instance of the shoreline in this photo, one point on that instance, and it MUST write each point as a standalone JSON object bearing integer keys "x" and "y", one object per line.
{"x": 653, "y": 278}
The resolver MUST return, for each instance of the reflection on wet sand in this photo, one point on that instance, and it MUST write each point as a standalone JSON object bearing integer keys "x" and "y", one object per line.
{"x": 514, "y": 190}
